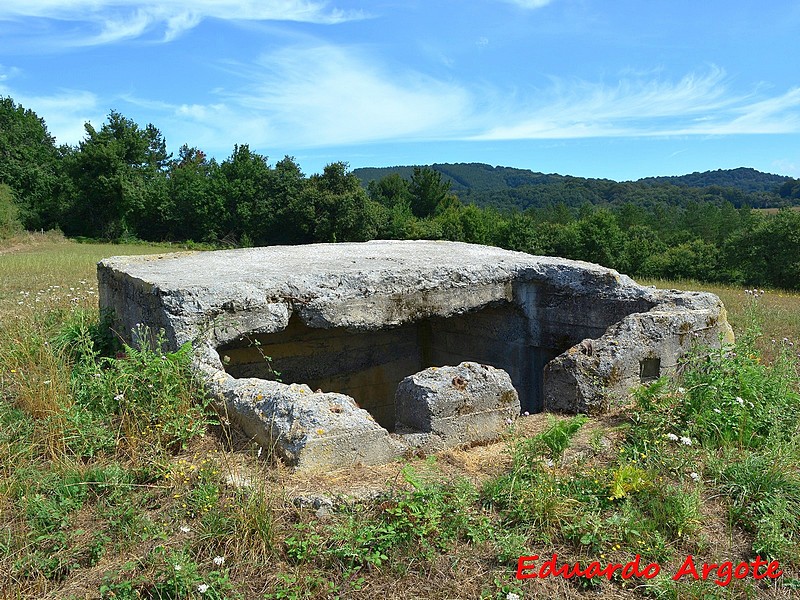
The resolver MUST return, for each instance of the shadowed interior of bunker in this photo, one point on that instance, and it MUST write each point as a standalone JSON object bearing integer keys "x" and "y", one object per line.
{"x": 368, "y": 365}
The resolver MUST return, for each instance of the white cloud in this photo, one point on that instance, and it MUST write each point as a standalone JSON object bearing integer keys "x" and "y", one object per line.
{"x": 695, "y": 105}
{"x": 64, "y": 112}
{"x": 529, "y": 4}
{"x": 8, "y": 72}
{"x": 323, "y": 95}
{"x": 114, "y": 20}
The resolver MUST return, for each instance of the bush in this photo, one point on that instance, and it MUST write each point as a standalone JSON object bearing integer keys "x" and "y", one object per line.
{"x": 9, "y": 214}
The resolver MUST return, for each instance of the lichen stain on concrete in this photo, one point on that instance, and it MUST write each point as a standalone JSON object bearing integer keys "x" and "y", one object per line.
{"x": 347, "y": 326}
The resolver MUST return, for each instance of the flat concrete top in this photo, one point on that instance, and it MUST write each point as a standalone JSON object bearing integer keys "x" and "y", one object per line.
{"x": 287, "y": 270}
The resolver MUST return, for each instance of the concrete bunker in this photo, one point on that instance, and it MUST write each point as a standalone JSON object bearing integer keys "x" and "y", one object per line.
{"x": 345, "y": 324}
{"x": 369, "y": 365}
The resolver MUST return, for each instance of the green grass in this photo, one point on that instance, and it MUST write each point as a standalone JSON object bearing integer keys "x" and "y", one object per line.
{"x": 116, "y": 483}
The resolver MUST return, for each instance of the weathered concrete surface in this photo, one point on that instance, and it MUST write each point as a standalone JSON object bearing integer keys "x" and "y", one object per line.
{"x": 458, "y": 405}
{"x": 592, "y": 375}
{"x": 358, "y": 318}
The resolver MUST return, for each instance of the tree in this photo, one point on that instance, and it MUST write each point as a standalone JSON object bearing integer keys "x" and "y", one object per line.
{"x": 119, "y": 178}
{"x": 30, "y": 165}
{"x": 600, "y": 240}
{"x": 390, "y": 191}
{"x": 195, "y": 210}
{"x": 428, "y": 192}
{"x": 341, "y": 209}
{"x": 243, "y": 181}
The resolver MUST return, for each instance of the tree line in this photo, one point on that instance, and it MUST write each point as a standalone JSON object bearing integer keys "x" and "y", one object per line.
{"x": 119, "y": 182}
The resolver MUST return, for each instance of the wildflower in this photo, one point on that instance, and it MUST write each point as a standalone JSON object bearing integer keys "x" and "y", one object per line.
{"x": 686, "y": 441}
{"x": 119, "y": 397}
{"x": 512, "y": 596}
{"x": 694, "y": 476}
{"x": 718, "y": 411}
{"x": 672, "y": 437}
{"x": 219, "y": 560}
{"x": 202, "y": 588}
{"x": 185, "y": 529}
{"x": 681, "y": 390}
{"x": 177, "y": 567}
{"x": 739, "y": 401}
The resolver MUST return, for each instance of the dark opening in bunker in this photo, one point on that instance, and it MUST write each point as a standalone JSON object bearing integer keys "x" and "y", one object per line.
{"x": 368, "y": 365}
{"x": 649, "y": 369}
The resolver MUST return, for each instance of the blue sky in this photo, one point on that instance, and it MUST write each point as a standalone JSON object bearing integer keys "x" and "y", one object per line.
{"x": 620, "y": 89}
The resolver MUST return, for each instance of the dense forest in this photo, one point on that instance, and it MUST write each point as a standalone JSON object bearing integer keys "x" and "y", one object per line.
{"x": 120, "y": 182}
{"x": 509, "y": 188}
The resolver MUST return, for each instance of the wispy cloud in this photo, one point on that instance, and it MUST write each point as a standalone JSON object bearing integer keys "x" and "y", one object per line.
{"x": 530, "y": 4}
{"x": 323, "y": 95}
{"x": 326, "y": 96}
{"x": 65, "y": 112}
{"x": 695, "y": 105}
{"x": 110, "y": 21}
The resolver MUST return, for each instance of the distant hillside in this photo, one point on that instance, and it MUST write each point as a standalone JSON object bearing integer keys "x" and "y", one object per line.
{"x": 469, "y": 176}
{"x": 483, "y": 177}
{"x": 743, "y": 178}
{"x": 508, "y": 188}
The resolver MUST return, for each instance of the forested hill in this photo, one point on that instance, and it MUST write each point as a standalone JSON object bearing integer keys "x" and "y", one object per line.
{"x": 469, "y": 176}
{"x": 743, "y": 178}
{"x": 508, "y": 188}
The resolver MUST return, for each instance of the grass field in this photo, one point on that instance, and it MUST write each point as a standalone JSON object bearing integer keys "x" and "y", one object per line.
{"x": 116, "y": 481}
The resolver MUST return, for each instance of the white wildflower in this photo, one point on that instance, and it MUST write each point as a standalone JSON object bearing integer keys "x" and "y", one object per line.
{"x": 185, "y": 529}
{"x": 177, "y": 567}
{"x": 718, "y": 411}
{"x": 686, "y": 441}
{"x": 694, "y": 476}
{"x": 672, "y": 437}
{"x": 219, "y": 560}
{"x": 681, "y": 390}
{"x": 739, "y": 401}
{"x": 512, "y": 596}
{"x": 119, "y": 397}
{"x": 202, "y": 588}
